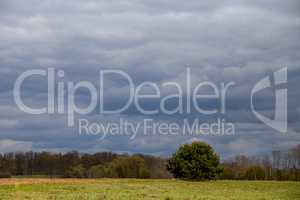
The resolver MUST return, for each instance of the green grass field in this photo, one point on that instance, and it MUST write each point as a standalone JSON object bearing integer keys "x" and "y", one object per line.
{"x": 72, "y": 189}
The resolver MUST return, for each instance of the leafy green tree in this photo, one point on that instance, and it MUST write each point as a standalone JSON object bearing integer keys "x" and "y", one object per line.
{"x": 196, "y": 161}
{"x": 128, "y": 167}
{"x": 98, "y": 171}
{"x": 77, "y": 171}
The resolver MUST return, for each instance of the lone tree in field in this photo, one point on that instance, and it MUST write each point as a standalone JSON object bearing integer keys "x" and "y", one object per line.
{"x": 196, "y": 161}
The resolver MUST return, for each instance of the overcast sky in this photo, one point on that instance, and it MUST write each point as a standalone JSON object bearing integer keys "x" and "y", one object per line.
{"x": 151, "y": 40}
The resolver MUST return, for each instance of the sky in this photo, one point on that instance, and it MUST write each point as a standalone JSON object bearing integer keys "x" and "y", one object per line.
{"x": 152, "y": 41}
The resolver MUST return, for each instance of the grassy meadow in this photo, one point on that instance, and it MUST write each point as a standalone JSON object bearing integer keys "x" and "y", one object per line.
{"x": 119, "y": 189}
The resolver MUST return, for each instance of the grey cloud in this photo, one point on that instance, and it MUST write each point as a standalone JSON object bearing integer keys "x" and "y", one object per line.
{"x": 151, "y": 41}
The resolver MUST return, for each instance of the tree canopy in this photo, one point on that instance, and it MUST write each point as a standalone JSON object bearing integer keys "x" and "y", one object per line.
{"x": 196, "y": 161}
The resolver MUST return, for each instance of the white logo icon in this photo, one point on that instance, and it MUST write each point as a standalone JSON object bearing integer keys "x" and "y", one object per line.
{"x": 279, "y": 122}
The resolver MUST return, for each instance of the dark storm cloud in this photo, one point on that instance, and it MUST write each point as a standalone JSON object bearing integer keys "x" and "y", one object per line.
{"x": 151, "y": 41}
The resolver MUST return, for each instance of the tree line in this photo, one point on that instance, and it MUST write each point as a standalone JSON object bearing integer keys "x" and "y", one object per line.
{"x": 279, "y": 165}
{"x": 76, "y": 165}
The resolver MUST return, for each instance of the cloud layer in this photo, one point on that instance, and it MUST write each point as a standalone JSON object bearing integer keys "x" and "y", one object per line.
{"x": 151, "y": 41}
